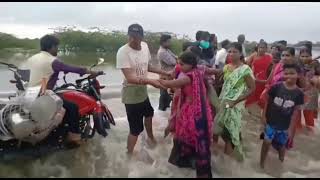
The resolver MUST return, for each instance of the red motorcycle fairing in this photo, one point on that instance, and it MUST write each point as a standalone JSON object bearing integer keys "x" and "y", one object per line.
{"x": 86, "y": 104}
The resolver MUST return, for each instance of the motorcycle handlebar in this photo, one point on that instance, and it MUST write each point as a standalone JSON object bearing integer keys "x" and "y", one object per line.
{"x": 9, "y": 65}
{"x": 78, "y": 81}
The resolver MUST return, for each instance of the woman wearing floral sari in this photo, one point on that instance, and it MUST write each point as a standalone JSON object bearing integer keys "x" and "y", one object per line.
{"x": 192, "y": 120}
{"x": 238, "y": 85}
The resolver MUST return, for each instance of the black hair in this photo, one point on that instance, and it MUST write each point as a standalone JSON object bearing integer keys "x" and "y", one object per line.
{"x": 185, "y": 45}
{"x": 196, "y": 50}
{"x": 225, "y": 43}
{"x": 242, "y": 59}
{"x": 164, "y": 38}
{"x": 205, "y": 34}
{"x": 48, "y": 41}
{"x": 276, "y": 45}
{"x": 290, "y": 50}
{"x": 189, "y": 58}
{"x": 306, "y": 50}
{"x": 241, "y": 35}
{"x": 292, "y": 66}
{"x": 308, "y": 44}
{"x": 237, "y": 46}
{"x": 212, "y": 36}
{"x": 199, "y": 35}
{"x": 283, "y": 42}
{"x": 263, "y": 43}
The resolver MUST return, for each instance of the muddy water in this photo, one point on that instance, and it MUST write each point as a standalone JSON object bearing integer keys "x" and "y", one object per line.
{"x": 106, "y": 157}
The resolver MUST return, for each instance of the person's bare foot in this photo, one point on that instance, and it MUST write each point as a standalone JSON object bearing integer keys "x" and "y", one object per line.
{"x": 310, "y": 131}
{"x": 74, "y": 138}
{"x": 281, "y": 158}
{"x": 152, "y": 143}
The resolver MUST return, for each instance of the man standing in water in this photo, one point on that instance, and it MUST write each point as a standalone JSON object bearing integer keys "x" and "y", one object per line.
{"x": 168, "y": 61}
{"x": 133, "y": 60}
{"x": 241, "y": 39}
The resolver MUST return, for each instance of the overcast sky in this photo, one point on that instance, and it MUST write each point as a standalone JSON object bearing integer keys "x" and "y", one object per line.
{"x": 269, "y": 21}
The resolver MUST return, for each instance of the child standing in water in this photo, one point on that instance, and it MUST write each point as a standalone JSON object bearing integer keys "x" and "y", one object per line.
{"x": 192, "y": 120}
{"x": 276, "y": 74}
{"x": 281, "y": 109}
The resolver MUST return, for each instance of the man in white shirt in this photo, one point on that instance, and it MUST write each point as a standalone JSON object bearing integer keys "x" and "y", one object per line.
{"x": 168, "y": 61}
{"x": 222, "y": 54}
{"x": 133, "y": 60}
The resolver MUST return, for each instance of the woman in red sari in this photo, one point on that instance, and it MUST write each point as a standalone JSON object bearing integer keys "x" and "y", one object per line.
{"x": 259, "y": 64}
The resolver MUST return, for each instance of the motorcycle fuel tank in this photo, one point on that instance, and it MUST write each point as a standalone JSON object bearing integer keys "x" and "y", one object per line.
{"x": 85, "y": 103}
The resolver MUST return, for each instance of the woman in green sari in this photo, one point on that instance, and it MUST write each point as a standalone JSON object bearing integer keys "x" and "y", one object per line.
{"x": 238, "y": 85}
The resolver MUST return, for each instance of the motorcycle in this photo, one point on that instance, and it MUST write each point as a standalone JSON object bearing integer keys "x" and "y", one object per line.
{"x": 22, "y": 131}
{"x": 94, "y": 114}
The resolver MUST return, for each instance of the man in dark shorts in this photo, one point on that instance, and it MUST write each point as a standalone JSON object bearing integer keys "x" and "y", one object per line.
{"x": 133, "y": 60}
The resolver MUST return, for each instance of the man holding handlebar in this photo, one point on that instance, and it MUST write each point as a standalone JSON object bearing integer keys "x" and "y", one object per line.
{"x": 46, "y": 66}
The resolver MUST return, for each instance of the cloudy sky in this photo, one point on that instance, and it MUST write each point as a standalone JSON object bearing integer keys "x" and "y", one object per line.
{"x": 268, "y": 21}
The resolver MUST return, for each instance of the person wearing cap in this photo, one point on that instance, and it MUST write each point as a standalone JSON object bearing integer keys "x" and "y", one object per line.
{"x": 133, "y": 60}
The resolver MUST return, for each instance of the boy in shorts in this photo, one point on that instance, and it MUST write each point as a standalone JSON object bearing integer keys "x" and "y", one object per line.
{"x": 279, "y": 113}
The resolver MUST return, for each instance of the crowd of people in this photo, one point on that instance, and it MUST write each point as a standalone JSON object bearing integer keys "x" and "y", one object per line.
{"x": 207, "y": 90}
{"x": 210, "y": 88}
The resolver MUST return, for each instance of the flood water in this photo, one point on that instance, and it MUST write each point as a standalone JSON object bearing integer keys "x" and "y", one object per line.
{"x": 106, "y": 157}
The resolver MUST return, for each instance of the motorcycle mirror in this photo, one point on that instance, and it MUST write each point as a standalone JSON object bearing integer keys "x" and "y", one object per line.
{"x": 100, "y": 61}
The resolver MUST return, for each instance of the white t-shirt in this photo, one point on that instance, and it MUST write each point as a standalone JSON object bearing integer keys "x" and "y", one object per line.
{"x": 221, "y": 58}
{"x": 137, "y": 60}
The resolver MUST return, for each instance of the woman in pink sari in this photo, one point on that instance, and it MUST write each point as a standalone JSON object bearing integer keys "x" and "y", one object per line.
{"x": 276, "y": 75}
{"x": 192, "y": 121}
